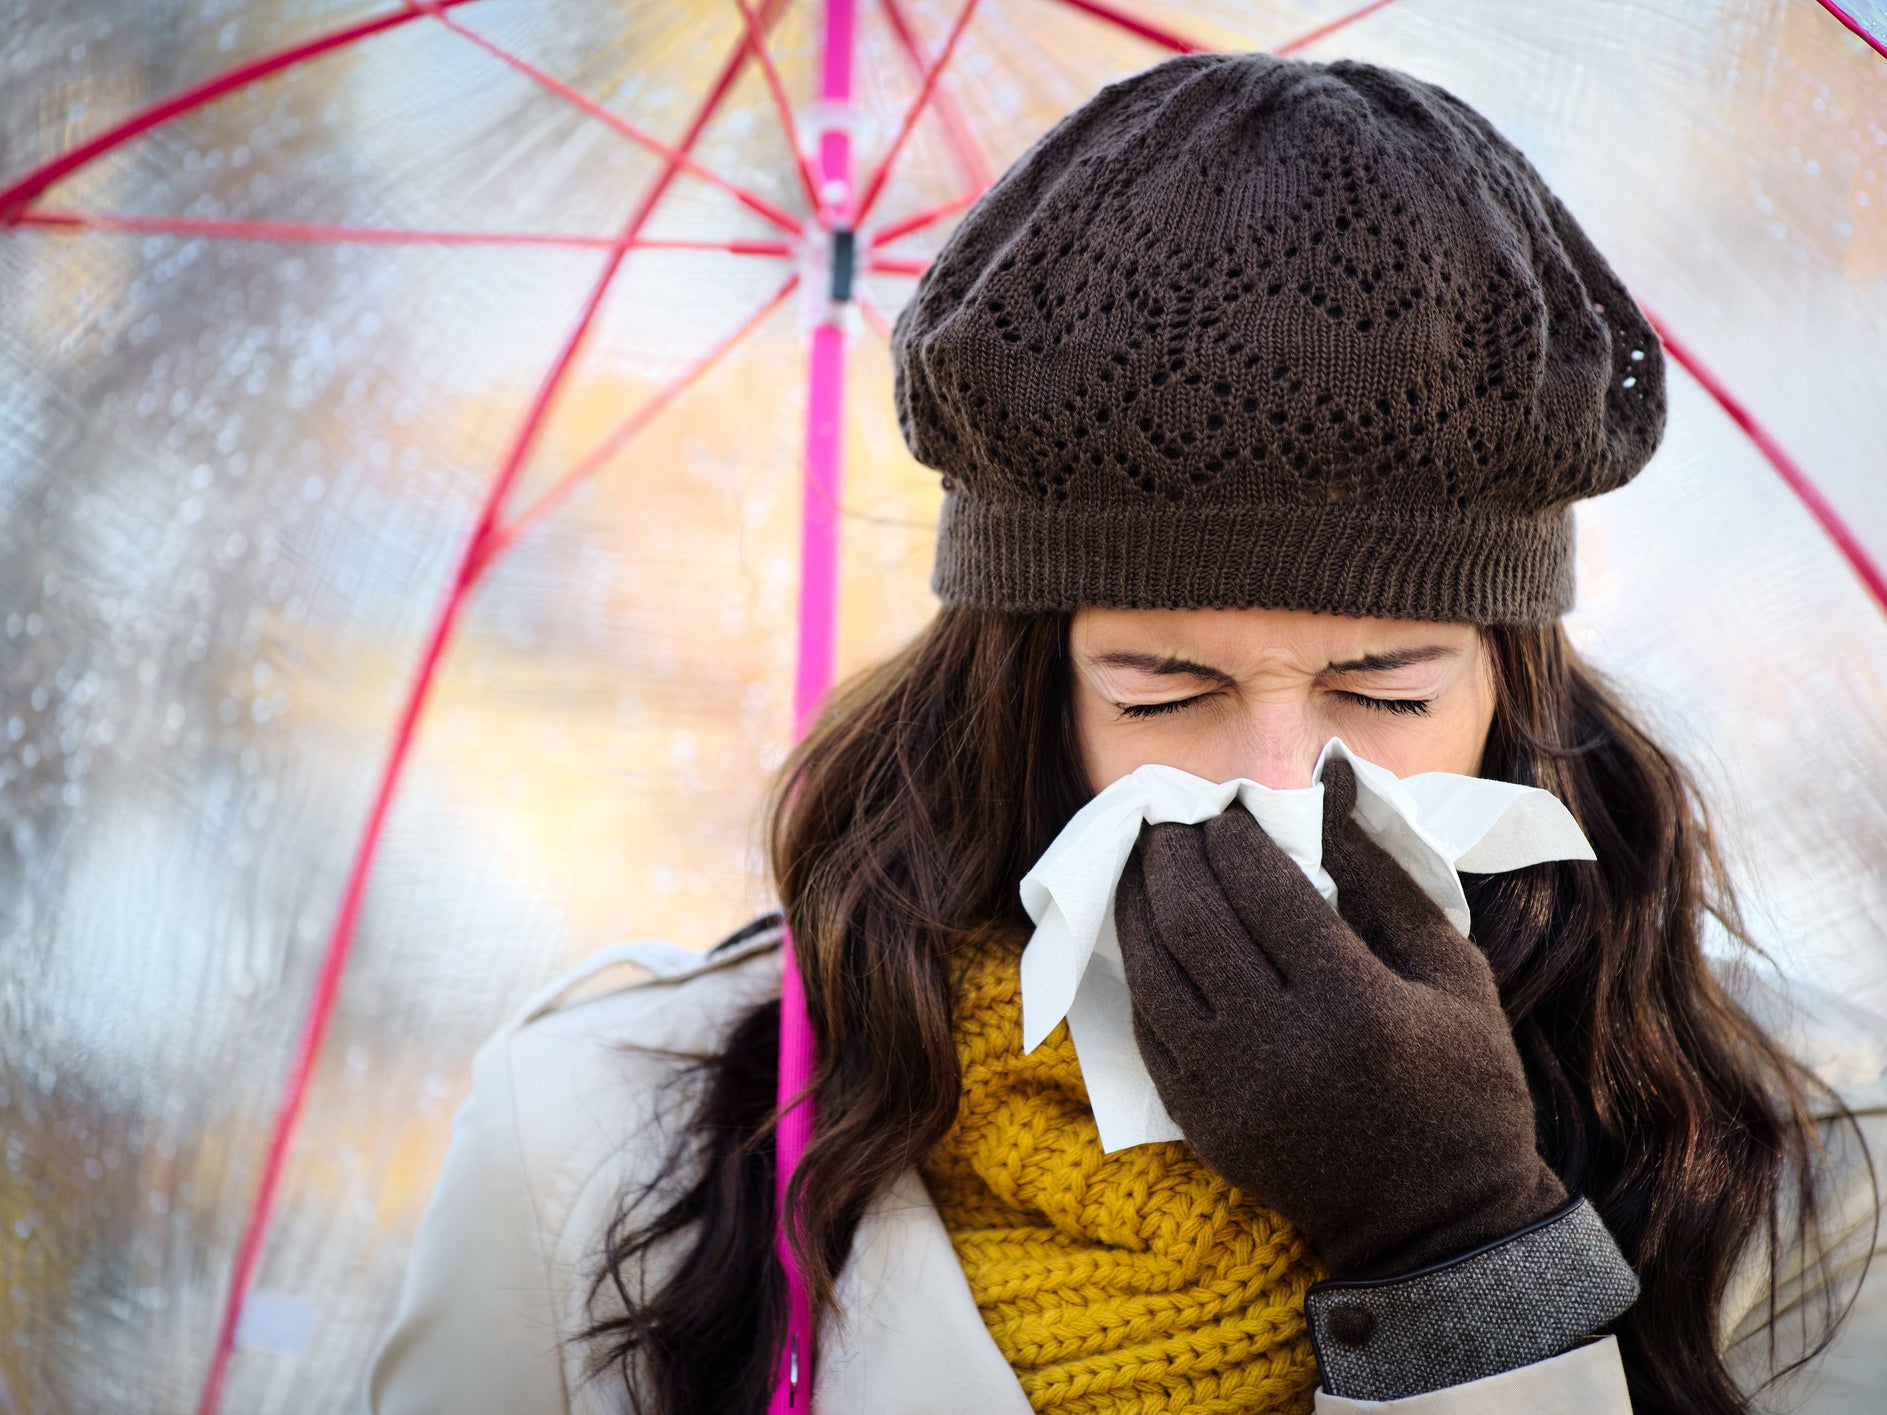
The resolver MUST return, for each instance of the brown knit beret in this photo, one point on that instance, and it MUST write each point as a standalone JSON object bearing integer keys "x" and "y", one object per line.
{"x": 1245, "y": 330}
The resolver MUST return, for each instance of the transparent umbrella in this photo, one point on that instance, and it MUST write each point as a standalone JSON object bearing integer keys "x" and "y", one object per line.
{"x": 421, "y": 429}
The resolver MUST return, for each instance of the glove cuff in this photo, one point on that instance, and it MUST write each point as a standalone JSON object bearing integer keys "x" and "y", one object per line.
{"x": 1520, "y": 1299}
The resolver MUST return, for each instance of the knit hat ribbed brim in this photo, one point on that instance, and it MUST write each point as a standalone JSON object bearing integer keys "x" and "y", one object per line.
{"x": 1360, "y": 560}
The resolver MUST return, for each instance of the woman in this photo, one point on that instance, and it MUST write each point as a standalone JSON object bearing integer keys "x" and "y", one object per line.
{"x": 1260, "y": 390}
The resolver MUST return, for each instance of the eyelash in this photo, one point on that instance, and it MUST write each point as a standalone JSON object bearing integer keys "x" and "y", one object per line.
{"x": 1416, "y": 706}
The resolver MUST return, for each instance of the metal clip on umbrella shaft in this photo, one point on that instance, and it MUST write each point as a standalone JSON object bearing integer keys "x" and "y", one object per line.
{"x": 828, "y": 268}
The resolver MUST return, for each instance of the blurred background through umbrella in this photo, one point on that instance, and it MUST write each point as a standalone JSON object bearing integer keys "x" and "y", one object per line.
{"x": 265, "y": 350}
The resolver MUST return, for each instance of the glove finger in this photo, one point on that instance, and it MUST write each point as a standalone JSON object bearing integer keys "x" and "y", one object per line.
{"x": 1155, "y": 981}
{"x": 1276, "y": 904}
{"x": 1162, "y": 1062}
{"x": 1385, "y": 906}
{"x": 1196, "y": 922}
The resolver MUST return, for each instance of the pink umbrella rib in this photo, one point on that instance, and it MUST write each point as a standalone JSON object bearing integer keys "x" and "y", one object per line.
{"x": 1872, "y": 39}
{"x": 882, "y": 171}
{"x": 898, "y": 265}
{"x": 788, "y": 127}
{"x": 878, "y": 321}
{"x": 17, "y": 194}
{"x": 1797, "y": 480}
{"x": 604, "y": 451}
{"x": 334, "y": 957}
{"x": 307, "y": 232}
{"x": 970, "y": 159}
{"x": 1133, "y": 24}
{"x": 885, "y": 235}
{"x": 676, "y": 157}
{"x": 1322, "y": 31}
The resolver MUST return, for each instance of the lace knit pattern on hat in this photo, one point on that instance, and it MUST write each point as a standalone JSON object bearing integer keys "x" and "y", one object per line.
{"x": 1248, "y": 330}
{"x": 1134, "y": 1283}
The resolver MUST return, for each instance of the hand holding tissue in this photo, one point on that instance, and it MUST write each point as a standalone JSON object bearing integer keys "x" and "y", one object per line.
{"x": 1352, "y": 1072}
{"x": 1432, "y": 824}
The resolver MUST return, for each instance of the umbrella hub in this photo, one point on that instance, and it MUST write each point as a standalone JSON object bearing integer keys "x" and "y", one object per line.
{"x": 828, "y": 257}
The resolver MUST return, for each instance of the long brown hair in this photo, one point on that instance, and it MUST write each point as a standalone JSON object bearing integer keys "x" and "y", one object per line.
{"x": 902, "y": 824}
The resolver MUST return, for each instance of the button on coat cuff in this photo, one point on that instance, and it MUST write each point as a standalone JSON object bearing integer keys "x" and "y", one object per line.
{"x": 1523, "y": 1298}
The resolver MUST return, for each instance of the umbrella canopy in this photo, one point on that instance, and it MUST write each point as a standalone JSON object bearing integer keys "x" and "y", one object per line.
{"x": 297, "y": 296}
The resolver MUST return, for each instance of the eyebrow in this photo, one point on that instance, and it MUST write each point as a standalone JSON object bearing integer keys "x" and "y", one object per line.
{"x": 1395, "y": 658}
{"x": 1161, "y": 665}
{"x": 1170, "y": 666}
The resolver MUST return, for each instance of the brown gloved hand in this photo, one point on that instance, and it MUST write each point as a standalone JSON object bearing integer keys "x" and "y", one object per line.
{"x": 1355, "y": 1073}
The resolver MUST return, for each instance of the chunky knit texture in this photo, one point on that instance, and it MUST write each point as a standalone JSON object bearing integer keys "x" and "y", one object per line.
{"x": 1247, "y": 330}
{"x": 1134, "y": 1283}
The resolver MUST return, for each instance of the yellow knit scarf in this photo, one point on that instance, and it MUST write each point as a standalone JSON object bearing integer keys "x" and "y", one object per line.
{"x": 1136, "y": 1283}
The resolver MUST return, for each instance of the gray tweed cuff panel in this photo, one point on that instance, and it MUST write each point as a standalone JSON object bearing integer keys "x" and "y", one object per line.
{"x": 1522, "y": 1299}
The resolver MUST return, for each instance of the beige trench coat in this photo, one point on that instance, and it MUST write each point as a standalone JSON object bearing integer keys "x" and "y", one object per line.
{"x": 562, "y": 1120}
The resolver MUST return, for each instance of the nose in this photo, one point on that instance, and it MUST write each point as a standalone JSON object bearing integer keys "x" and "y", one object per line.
{"x": 1280, "y": 755}
{"x": 1292, "y": 778}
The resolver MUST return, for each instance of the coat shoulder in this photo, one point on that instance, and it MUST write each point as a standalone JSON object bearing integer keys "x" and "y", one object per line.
{"x": 597, "y": 1064}
{"x": 576, "y": 1107}
{"x": 1842, "y": 1042}
{"x": 648, "y": 994}
{"x": 1843, "y": 1266}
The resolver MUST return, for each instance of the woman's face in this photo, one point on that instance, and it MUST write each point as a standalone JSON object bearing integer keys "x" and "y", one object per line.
{"x": 1224, "y": 693}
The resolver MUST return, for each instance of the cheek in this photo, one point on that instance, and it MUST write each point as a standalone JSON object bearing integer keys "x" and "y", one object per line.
{"x": 1451, "y": 744}
{"x": 1207, "y": 739}
{"x": 1112, "y": 746}
{"x": 1451, "y": 738}
{"x": 1100, "y": 740}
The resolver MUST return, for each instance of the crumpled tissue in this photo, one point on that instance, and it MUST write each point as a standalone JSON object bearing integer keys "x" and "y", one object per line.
{"x": 1434, "y": 824}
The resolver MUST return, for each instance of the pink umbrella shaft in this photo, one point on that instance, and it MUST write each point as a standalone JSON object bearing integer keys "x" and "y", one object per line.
{"x": 818, "y": 622}
{"x": 818, "y": 631}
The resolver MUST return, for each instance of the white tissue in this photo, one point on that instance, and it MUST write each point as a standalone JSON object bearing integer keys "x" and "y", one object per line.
{"x": 1434, "y": 824}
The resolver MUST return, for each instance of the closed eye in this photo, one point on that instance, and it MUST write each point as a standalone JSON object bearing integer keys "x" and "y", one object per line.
{"x": 1414, "y": 705}
{"x": 1417, "y": 706}
{"x": 1155, "y": 709}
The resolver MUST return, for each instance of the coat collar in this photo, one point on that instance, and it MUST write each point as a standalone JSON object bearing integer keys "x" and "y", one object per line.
{"x": 909, "y": 1339}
